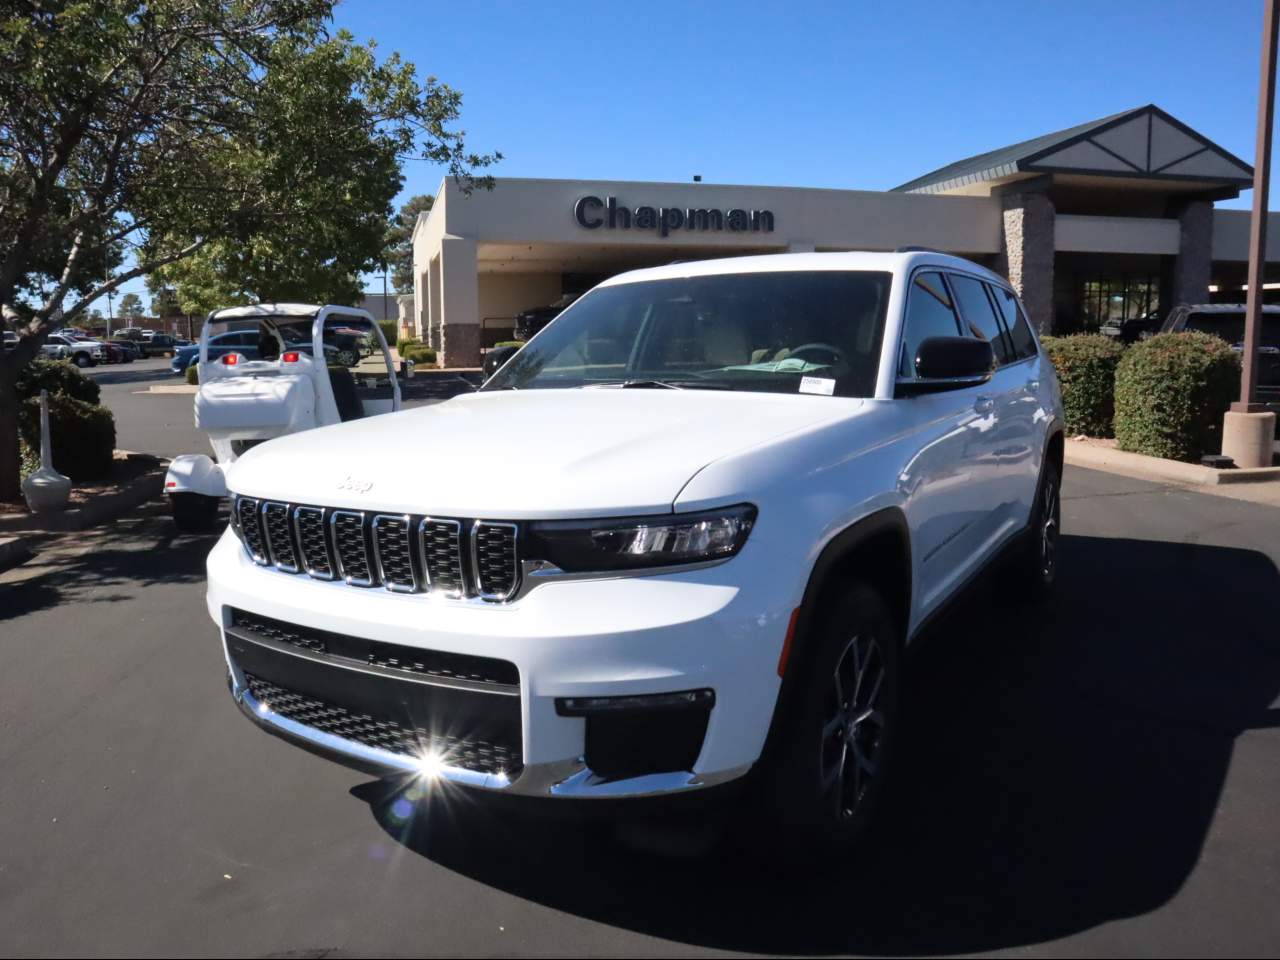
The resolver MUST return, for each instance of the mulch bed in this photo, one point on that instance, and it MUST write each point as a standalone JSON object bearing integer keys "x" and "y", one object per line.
{"x": 127, "y": 468}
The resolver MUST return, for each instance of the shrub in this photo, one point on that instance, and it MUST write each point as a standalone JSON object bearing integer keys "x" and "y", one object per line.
{"x": 508, "y": 343}
{"x": 1086, "y": 366}
{"x": 406, "y": 342}
{"x": 56, "y": 376}
{"x": 1172, "y": 392}
{"x": 418, "y": 353}
{"x": 193, "y": 374}
{"x": 390, "y": 330}
{"x": 83, "y": 435}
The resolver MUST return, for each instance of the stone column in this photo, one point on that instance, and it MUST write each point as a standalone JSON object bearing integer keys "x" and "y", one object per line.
{"x": 1026, "y": 253}
{"x": 460, "y": 304}
{"x": 1192, "y": 266}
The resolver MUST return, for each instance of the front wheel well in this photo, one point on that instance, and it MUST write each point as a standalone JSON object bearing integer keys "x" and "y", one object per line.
{"x": 877, "y": 551}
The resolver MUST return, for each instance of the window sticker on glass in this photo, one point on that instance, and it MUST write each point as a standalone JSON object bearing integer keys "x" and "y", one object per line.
{"x": 820, "y": 385}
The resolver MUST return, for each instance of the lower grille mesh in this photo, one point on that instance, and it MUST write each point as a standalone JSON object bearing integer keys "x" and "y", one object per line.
{"x": 480, "y": 755}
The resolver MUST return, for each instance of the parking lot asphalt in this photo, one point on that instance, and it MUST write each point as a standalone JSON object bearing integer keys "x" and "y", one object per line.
{"x": 1097, "y": 776}
{"x": 162, "y": 424}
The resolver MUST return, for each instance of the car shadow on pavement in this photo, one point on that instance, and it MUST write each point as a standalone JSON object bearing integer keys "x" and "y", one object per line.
{"x": 1057, "y": 771}
{"x": 106, "y": 564}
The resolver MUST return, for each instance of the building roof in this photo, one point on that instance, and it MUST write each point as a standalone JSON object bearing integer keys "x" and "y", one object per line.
{"x": 1144, "y": 142}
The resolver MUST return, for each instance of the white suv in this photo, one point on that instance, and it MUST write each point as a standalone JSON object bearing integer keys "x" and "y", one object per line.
{"x": 681, "y": 536}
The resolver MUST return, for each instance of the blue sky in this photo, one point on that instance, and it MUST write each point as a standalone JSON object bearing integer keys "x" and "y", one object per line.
{"x": 847, "y": 95}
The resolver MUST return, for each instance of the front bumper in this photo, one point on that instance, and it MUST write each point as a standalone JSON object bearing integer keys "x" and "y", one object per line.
{"x": 710, "y": 629}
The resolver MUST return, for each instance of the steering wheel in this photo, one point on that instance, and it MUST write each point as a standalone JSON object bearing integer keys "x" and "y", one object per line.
{"x": 837, "y": 356}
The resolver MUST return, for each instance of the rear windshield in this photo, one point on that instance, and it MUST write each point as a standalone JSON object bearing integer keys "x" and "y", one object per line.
{"x": 792, "y": 332}
{"x": 1230, "y": 327}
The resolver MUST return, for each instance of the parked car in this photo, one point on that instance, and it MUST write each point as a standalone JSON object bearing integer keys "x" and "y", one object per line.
{"x": 83, "y": 353}
{"x": 1133, "y": 329}
{"x": 115, "y": 353}
{"x": 161, "y": 344}
{"x": 244, "y": 342}
{"x": 131, "y": 348}
{"x": 529, "y": 322}
{"x": 684, "y": 536}
{"x": 1226, "y": 320}
{"x": 52, "y": 351}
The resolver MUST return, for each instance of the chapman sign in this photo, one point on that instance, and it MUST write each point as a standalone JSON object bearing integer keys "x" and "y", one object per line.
{"x": 594, "y": 213}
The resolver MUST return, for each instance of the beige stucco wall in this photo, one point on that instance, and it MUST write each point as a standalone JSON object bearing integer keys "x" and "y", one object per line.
{"x": 503, "y": 295}
{"x": 495, "y": 252}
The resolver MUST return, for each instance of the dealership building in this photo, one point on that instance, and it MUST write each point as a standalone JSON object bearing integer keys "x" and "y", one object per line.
{"x": 1109, "y": 220}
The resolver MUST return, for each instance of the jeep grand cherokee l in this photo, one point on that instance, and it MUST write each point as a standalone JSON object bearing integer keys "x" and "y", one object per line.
{"x": 681, "y": 537}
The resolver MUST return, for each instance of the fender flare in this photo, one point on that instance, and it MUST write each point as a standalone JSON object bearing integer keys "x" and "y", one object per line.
{"x": 886, "y": 522}
{"x": 195, "y": 473}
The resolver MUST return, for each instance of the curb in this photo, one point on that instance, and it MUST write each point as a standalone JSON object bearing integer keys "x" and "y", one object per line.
{"x": 1143, "y": 467}
{"x": 173, "y": 388}
{"x": 106, "y": 507}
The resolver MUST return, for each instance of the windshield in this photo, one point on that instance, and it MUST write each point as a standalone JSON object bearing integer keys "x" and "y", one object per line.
{"x": 787, "y": 332}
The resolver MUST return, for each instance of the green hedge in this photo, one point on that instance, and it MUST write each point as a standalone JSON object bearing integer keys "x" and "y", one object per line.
{"x": 1086, "y": 366}
{"x": 418, "y": 353}
{"x": 83, "y": 435}
{"x": 1171, "y": 394}
{"x": 390, "y": 330}
{"x": 193, "y": 374}
{"x": 406, "y": 342}
{"x": 57, "y": 376}
{"x": 509, "y": 343}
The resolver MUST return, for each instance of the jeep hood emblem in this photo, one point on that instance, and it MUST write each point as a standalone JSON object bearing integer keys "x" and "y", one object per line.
{"x": 356, "y": 486}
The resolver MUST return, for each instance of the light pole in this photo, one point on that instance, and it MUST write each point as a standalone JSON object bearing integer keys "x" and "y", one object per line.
{"x": 1248, "y": 430}
{"x": 110, "y": 316}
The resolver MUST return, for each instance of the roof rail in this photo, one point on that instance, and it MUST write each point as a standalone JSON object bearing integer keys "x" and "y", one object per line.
{"x": 915, "y": 248}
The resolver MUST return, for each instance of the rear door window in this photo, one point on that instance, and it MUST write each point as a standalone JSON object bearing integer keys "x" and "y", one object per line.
{"x": 930, "y": 313}
{"x": 1015, "y": 322}
{"x": 978, "y": 314}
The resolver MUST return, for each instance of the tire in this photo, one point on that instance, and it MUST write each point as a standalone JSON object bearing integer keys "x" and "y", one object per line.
{"x": 83, "y": 360}
{"x": 348, "y": 357}
{"x": 832, "y": 753}
{"x": 193, "y": 512}
{"x": 1038, "y": 560}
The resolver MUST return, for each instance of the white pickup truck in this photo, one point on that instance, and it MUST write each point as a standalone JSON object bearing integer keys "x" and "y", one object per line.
{"x": 679, "y": 541}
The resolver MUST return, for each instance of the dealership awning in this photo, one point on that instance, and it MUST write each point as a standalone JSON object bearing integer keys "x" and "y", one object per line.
{"x": 1145, "y": 147}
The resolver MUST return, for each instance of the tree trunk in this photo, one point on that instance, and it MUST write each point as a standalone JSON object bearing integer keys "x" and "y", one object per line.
{"x": 10, "y": 488}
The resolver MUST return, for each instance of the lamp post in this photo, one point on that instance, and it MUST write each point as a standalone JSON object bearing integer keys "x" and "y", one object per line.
{"x": 1248, "y": 429}
{"x": 110, "y": 316}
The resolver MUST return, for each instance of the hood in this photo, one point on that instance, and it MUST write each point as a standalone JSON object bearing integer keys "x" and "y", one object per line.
{"x": 522, "y": 454}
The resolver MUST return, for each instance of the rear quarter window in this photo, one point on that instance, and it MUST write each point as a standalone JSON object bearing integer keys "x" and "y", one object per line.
{"x": 1015, "y": 322}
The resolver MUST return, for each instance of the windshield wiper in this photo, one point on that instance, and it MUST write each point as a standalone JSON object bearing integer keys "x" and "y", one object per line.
{"x": 653, "y": 384}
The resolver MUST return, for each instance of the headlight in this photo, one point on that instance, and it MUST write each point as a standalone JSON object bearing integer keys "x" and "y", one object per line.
{"x": 628, "y": 543}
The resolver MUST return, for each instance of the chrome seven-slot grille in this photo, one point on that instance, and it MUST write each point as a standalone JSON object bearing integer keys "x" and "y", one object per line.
{"x": 402, "y": 553}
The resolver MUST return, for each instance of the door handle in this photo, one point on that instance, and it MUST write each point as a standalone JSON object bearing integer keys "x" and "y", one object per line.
{"x": 984, "y": 404}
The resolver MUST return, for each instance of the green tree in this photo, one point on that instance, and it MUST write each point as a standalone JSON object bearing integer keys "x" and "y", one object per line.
{"x": 130, "y": 306}
{"x": 138, "y": 134}
{"x": 399, "y": 252}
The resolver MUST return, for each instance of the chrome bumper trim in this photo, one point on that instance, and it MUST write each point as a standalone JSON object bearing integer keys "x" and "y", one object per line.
{"x": 566, "y": 779}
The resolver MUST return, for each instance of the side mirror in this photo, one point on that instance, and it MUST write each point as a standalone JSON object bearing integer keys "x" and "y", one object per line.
{"x": 949, "y": 363}
{"x": 496, "y": 357}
